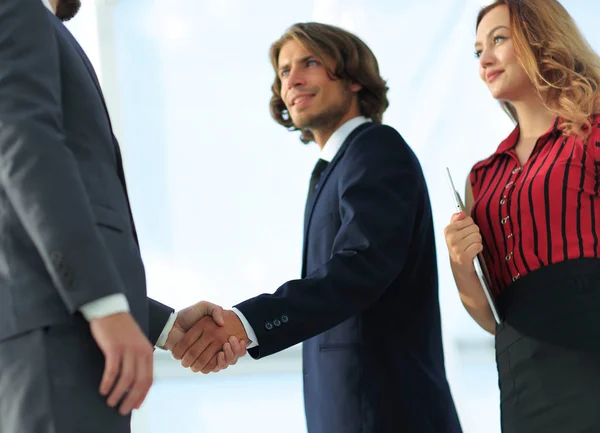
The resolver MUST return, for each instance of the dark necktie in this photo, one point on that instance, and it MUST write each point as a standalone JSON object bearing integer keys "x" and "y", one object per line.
{"x": 320, "y": 166}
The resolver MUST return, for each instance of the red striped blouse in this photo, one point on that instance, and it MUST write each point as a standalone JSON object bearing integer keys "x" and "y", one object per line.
{"x": 543, "y": 212}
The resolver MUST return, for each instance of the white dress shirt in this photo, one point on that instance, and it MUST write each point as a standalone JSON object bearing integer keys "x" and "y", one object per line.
{"x": 332, "y": 146}
{"x": 107, "y": 305}
{"x": 328, "y": 152}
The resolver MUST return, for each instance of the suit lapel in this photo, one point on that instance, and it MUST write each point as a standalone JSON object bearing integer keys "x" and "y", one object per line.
{"x": 322, "y": 181}
{"x": 327, "y": 172}
{"x": 86, "y": 62}
{"x": 94, "y": 78}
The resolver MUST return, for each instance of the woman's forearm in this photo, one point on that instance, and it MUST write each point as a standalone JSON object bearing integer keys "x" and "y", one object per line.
{"x": 473, "y": 298}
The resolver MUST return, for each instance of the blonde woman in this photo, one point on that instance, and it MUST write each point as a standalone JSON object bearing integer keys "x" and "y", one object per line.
{"x": 533, "y": 210}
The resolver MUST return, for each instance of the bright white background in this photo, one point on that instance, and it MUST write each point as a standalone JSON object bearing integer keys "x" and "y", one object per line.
{"x": 218, "y": 188}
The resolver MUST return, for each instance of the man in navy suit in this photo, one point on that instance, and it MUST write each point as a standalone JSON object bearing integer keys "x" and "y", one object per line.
{"x": 366, "y": 306}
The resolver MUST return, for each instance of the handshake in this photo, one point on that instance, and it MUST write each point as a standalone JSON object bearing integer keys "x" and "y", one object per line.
{"x": 206, "y": 338}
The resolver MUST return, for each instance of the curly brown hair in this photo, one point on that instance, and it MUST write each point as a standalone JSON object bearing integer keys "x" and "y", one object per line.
{"x": 560, "y": 63}
{"x": 353, "y": 60}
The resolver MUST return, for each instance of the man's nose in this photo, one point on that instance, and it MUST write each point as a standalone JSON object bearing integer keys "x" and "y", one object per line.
{"x": 296, "y": 78}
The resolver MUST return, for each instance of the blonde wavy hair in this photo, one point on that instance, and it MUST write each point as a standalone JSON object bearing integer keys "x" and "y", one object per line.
{"x": 560, "y": 63}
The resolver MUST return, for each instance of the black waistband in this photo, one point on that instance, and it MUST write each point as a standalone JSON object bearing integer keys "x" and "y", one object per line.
{"x": 558, "y": 304}
{"x": 549, "y": 279}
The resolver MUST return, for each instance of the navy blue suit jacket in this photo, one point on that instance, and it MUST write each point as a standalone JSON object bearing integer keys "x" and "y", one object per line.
{"x": 367, "y": 304}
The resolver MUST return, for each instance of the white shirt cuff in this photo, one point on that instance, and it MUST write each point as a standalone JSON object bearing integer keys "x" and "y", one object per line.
{"x": 162, "y": 339}
{"x": 248, "y": 328}
{"x": 107, "y": 306}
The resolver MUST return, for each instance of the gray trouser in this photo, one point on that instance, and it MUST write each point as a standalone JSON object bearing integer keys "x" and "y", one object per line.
{"x": 49, "y": 380}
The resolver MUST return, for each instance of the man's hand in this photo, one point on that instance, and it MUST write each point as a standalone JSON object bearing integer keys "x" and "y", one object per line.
{"x": 232, "y": 350}
{"x": 188, "y": 317}
{"x": 199, "y": 348}
{"x": 128, "y": 360}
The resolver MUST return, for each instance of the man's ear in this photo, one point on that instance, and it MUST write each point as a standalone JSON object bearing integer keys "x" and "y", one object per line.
{"x": 355, "y": 87}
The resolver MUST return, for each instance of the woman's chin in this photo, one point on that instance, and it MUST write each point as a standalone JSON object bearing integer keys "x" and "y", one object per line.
{"x": 498, "y": 94}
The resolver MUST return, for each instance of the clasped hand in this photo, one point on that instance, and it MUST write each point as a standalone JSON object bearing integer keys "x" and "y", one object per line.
{"x": 207, "y": 338}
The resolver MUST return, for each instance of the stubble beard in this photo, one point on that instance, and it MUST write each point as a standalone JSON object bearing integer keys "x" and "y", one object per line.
{"x": 326, "y": 120}
{"x": 67, "y": 9}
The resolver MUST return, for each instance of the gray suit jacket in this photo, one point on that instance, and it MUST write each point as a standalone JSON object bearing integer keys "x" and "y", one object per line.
{"x": 66, "y": 232}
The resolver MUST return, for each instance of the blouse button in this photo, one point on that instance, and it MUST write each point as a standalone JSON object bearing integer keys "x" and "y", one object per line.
{"x": 516, "y": 170}
{"x": 509, "y": 256}
{"x": 508, "y": 185}
{"x": 504, "y": 220}
{"x": 509, "y": 236}
{"x": 502, "y": 201}
{"x": 516, "y": 277}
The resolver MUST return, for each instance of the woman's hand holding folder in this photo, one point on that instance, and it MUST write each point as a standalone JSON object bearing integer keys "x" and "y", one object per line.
{"x": 464, "y": 242}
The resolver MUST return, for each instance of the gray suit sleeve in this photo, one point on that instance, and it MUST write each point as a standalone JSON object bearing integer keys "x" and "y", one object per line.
{"x": 37, "y": 171}
{"x": 159, "y": 316}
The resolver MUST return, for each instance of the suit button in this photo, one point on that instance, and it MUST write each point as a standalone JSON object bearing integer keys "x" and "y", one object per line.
{"x": 277, "y": 323}
{"x": 66, "y": 276}
{"x": 285, "y": 319}
{"x": 268, "y": 326}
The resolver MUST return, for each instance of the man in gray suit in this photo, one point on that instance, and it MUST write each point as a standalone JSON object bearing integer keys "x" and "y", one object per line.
{"x": 75, "y": 324}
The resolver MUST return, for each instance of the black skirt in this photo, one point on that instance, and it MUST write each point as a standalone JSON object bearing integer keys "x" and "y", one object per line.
{"x": 548, "y": 350}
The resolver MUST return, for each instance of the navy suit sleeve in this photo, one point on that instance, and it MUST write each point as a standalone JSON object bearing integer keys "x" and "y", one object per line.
{"x": 38, "y": 172}
{"x": 380, "y": 191}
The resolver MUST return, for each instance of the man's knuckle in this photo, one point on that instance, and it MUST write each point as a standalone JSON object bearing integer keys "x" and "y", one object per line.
{"x": 193, "y": 352}
{"x": 146, "y": 383}
{"x": 114, "y": 348}
{"x": 127, "y": 377}
{"x": 143, "y": 351}
{"x": 111, "y": 372}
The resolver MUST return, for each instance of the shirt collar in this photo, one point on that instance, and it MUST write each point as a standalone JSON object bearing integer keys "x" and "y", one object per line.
{"x": 511, "y": 141}
{"x": 47, "y": 4}
{"x": 331, "y": 147}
